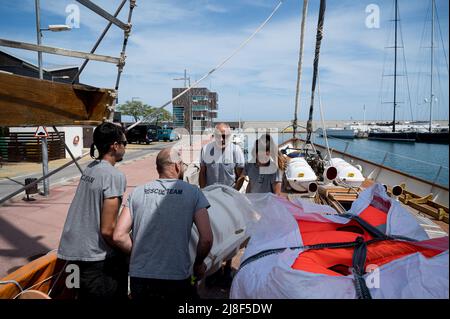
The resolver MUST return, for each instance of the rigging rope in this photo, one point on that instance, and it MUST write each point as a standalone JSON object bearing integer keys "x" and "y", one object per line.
{"x": 300, "y": 62}
{"x": 236, "y": 51}
{"x": 406, "y": 69}
{"x": 440, "y": 32}
{"x": 420, "y": 73}
{"x": 322, "y": 118}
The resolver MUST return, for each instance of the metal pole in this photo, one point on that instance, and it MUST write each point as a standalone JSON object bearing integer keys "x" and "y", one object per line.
{"x": 124, "y": 46}
{"x": 41, "y": 76}
{"x": 58, "y": 51}
{"x": 191, "y": 122}
{"x": 46, "y": 182}
{"x": 39, "y": 35}
{"x": 432, "y": 61}
{"x": 98, "y": 41}
{"x": 395, "y": 64}
{"x": 4, "y": 199}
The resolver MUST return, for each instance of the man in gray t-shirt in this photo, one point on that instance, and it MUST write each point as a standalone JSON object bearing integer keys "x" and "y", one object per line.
{"x": 265, "y": 169}
{"x": 81, "y": 239}
{"x": 220, "y": 161}
{"x": 261, "y": 181}
{"x": 86, "y": 239}
{"x": 160, "y": 216}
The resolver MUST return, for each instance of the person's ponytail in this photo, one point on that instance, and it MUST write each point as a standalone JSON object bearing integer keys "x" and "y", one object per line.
{"x": 92, "y": 151}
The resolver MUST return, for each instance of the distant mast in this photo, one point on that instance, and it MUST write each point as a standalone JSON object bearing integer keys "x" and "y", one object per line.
{"x": 395, "y": 64}
{"x": 432, "y": 62}
{"x": 364, "y": 116}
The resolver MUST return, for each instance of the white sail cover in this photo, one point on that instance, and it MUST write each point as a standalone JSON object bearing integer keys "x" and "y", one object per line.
{"x": 271, "y": 277}
{"x": 230, "y": 216}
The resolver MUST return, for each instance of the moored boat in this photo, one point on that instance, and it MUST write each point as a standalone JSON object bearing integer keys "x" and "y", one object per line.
{"x": 345, "y": 132}
{"x": 409, "y": 137}
{"x": 433, "y": 137}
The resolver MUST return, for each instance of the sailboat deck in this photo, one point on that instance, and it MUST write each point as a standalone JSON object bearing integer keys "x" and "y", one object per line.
{"x": 337, "y": 197}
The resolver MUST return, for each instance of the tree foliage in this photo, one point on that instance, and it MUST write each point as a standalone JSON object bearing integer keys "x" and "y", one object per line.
{"x": 142, "y": 111}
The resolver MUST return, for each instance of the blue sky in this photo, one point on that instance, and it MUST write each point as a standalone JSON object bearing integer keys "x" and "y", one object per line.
{"x": 259, "y": 83}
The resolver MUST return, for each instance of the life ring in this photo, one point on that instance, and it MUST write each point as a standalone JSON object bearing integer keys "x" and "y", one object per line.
{"x": 76, "y": 140}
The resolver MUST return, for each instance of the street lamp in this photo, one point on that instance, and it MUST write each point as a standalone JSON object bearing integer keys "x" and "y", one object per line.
{"x": 53, "y": 28}
{"x": 57, "y": 28}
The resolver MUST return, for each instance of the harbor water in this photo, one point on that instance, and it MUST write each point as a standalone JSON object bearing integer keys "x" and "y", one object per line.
{"x": 427, "y": 161}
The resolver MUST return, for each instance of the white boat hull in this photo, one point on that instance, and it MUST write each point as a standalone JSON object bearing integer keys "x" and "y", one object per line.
{"x": 385, "y": 175}
{"x": 300, "y": 175}
{"x": 347, "y": 173}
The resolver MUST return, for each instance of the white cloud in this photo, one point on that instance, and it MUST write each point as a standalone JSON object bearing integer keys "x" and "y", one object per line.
{"x": 215, "y": 8}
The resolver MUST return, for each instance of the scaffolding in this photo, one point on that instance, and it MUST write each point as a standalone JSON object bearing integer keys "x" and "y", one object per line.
{"x": 28, "y": 102}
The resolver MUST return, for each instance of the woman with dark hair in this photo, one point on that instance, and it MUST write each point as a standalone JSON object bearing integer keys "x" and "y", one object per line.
{"x": 265, "y": 169}
{"x": 87, "y": 237}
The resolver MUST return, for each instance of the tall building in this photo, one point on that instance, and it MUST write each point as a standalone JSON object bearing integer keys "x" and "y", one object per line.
{"x": 204, "y": 109}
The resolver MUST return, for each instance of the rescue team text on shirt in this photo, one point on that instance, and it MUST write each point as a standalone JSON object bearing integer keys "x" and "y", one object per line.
{"x": 88, "y": 179}
{"x": 158, "y": 191}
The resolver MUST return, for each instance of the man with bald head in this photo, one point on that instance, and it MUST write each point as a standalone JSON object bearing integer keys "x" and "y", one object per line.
{"x": 160, "y": 215}
{"x": 221, "y": 161}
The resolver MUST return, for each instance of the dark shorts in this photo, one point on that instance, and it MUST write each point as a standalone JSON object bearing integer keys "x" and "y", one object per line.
{"x": 145, "y": 288}
{"x": 106, "y": 279}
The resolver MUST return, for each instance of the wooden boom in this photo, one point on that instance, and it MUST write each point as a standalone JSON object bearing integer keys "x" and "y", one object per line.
{"x": 26, "y": 101}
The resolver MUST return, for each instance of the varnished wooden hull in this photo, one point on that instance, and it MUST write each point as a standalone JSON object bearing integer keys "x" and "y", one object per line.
{"x": 26, "y": 101}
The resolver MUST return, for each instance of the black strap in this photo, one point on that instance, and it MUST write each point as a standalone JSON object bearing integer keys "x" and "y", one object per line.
{"x": 359, "y": 262}
{"x": 375, "y": 232}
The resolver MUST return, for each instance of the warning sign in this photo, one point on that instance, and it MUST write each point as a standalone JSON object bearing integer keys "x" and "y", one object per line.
{"x": 41, "y": 132}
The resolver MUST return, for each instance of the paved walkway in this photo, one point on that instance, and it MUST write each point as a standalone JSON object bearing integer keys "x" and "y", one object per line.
{"x": 30, "y": 229}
